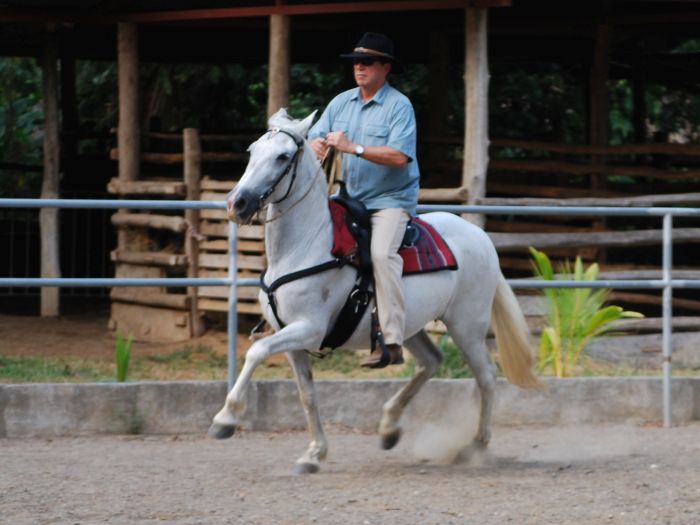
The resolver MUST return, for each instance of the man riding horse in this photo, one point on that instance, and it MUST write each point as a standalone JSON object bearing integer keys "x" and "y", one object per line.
{"x": 376, "y": 126}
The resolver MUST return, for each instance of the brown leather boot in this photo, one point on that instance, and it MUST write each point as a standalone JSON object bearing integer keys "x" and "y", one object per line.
{"x": 374, "y": 360}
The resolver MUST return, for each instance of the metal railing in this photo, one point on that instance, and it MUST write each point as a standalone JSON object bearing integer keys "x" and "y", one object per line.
{"x": 666, "y": 283}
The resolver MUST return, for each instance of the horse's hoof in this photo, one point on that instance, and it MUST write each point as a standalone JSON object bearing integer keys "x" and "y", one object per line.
{"x": 474, "y": 453}
{"x": 305, "y": 468}
{"x": 221, "y": 431}
{"x": 389, "y": 441}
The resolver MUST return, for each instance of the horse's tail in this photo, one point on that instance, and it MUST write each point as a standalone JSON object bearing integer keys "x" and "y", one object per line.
{"x": 515, "y": 347}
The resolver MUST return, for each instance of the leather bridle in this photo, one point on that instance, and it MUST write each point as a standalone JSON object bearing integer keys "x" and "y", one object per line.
{"x": 299, "y": 141}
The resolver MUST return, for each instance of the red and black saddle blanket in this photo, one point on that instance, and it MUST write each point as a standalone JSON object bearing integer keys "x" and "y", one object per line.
{"x": 423, "y": 249}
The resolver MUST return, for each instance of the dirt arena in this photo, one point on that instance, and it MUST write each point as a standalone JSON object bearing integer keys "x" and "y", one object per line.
{"x": 579, "y": 475}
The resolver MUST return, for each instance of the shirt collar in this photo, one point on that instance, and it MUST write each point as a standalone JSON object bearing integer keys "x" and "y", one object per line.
{"x": 378, "y": 97}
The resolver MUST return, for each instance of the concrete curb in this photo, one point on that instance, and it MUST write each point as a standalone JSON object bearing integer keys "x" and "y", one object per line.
{"x": 52, "y": 410}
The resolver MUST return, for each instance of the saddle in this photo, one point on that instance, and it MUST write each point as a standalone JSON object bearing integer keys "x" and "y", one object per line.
{"x": 422, "y": 249}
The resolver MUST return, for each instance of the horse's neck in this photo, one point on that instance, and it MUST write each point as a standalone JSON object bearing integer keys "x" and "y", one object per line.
{"x": 302, "y": 234}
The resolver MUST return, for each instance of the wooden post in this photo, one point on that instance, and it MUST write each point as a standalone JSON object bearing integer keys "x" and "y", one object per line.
{"x": 128, "y": 137}
{"x": 192, "y": 149}
{"x": 476, "y": 79}
{"x": 48, "y": 217}
{"x": 600, "y": 112}
{"x": 278, "y": 76}
{"x": 129, "y": 134}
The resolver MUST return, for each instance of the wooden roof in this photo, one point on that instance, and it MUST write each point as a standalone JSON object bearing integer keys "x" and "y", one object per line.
{"x": 548, "y": 31}
{"x": 155, "y": 11}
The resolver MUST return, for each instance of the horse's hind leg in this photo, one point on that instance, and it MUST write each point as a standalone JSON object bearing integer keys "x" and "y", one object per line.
{"x": 309, "y": 463}
{"x": 471, "y": 340}
{"x": 428, "y": 358}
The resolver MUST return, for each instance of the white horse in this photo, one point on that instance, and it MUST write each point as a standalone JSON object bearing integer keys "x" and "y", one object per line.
{"x": 284, "y": 175}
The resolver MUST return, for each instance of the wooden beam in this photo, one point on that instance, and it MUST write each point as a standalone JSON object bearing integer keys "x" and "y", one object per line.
{"x": 165, "y": 300}
{"x": 220, "y": 229}
{"x": 571, "y": 168}
{"x": 217, "y": 185}
{"x": 178, "y": 158}
{"x": 278, "y": 64}
{"x": 476, "y": 79}
{"x": 48, "y": 217}
{"x": 652, "y": 298}
{"x": 146, "y": 220}
{"x": 459, "y": 194}
{"x": 561, "y": 192}
{"x": 642, "y": 200}
{"x": 220, "y": 305}
{"x": 149, "y": 258}
{"x": 146, "y": 187}
{"x": 610, "y": 239}
{"x": 590, "y": 149}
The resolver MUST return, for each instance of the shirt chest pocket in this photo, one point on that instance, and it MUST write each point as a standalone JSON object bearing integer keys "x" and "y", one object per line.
{"x": 376, "y": 134}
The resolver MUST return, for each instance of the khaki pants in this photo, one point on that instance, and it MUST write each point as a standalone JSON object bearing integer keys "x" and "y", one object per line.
{"x": 388, "y": 228}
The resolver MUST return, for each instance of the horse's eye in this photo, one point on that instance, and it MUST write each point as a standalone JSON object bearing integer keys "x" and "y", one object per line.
{"x": 283, "y": 156}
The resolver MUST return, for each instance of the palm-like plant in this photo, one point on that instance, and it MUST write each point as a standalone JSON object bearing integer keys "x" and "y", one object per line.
{"x": 574, "y": 315}
{"x": 122, "y": 355}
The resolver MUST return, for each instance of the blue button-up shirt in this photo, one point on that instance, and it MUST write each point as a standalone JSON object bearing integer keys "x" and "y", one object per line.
{"x": 385, "y": 120}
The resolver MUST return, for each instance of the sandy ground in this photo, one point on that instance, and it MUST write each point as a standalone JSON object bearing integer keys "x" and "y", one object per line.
{"x": 86, "y": 335}
{"x": 578, "y": 475}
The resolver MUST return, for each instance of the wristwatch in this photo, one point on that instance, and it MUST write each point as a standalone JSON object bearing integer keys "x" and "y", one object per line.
{"x": 359, "y": 150}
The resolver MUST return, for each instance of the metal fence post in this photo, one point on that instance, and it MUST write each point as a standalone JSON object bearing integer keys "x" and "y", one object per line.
{"x": 667, "y": 312}
{"x": 232, "y": 304}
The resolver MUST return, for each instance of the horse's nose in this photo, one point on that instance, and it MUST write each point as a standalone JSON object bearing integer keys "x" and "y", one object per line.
{"x": 240, "y": 206}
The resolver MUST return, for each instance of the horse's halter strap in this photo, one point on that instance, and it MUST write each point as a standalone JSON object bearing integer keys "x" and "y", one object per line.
{"x": 299, "y": 141}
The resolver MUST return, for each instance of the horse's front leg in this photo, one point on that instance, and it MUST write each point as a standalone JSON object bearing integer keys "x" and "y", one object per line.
{"x": 310, "y": 462}
{"x": 294, "y": 336}
{"x": 428, "y": 358}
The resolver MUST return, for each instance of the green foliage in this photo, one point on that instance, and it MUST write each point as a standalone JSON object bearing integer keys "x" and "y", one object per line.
{"x": 339, "y": 360}
{"x": 122, "y": 356}
{"x": 39, "y": 369}
{"x": 542, "y": 102}
{"x": 452, "y": 366}
{"x": 97, "y": 99}
{"x": 311, "y": 88}
{"x": 574, "y": 315}
{"x": 21, "y": 119}
{"x": 621, "y": 112}
{"x": 200, "y": 354}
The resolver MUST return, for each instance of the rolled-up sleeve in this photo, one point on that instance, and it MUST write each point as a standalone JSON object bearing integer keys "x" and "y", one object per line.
{"x": 402, "y": 131}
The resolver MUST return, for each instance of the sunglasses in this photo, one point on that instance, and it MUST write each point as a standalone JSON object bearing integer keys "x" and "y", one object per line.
{"x": 364, "y": 61}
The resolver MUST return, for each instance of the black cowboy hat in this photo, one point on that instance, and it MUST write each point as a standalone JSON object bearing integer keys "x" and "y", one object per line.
{"x": 377, "y": 46}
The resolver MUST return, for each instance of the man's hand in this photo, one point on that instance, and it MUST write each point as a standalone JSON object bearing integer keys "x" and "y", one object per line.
{"x": 339, "y": 141}
{"x": 320, "y": 147}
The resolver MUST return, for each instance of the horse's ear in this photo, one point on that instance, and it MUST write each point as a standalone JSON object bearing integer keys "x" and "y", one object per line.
{"x": 279, "y": 118}
{"x": 305, "y": 125}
